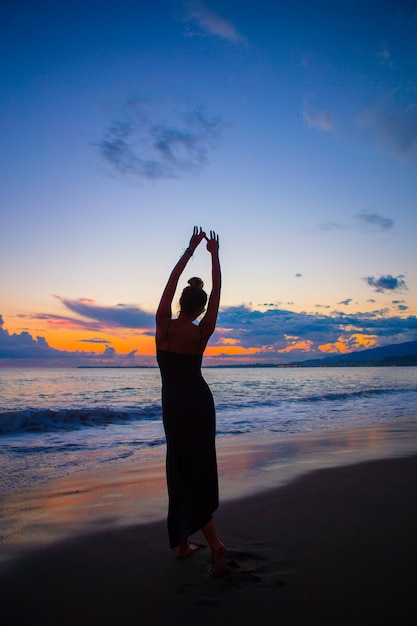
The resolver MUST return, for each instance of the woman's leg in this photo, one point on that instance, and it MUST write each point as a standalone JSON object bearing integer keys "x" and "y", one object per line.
{"x": 218, "y": 549}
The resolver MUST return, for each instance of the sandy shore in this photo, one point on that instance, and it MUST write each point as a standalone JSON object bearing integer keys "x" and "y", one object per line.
{"x": 334, "y": 546}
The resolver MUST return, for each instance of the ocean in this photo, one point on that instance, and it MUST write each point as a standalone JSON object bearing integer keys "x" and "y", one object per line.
{"x": 54, "y": 422}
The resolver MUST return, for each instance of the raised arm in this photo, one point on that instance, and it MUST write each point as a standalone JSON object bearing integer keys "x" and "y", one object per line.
{"x": 164, "y": 312}
{"x": 208, "y": 323}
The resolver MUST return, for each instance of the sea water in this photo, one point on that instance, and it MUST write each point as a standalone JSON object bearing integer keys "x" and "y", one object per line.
{"x": 54, "y": 422}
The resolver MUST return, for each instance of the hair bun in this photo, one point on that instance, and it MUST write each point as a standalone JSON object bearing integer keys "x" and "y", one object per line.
{"x": 196, "y": 283}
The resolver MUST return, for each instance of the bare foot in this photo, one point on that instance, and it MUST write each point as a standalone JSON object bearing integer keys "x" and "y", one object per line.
{"x": 185, "y": 549}
{"x": 219, "y": 567}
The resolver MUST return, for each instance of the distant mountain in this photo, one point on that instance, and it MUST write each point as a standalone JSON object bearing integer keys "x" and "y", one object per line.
{"x": 394, "y": 354}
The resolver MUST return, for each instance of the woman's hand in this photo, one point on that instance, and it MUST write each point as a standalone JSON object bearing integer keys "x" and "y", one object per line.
{"x": 196, "y": 237}
{"x": 213, "y": 243}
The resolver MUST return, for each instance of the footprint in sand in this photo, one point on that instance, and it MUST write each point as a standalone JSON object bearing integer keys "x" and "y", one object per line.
{"x": 255, "y": 568}
{"x": 244, "y": 569}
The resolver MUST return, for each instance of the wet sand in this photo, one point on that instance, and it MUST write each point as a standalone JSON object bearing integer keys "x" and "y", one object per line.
{"x": 323, "y": 546}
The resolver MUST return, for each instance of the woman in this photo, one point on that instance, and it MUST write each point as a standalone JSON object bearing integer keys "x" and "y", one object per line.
{"x": 188, "y": 408}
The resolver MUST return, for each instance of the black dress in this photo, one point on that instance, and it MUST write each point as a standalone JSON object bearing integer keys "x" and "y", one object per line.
{"x": 190, "y": 429}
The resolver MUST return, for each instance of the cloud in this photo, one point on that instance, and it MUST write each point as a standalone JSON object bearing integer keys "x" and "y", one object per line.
{"x": 119, "y": 316}
{"x": 63, "y": 321}
{"x": 394, "y": 125}
{"x": 153, "y": 141}
{"x": 298, "y": 275}
{"x": 211, "y": 23}
{"x": 95, "y": 317}
{"x": 269, "y": 304}
{"x": 258, "y": 329}
{"x": 276, "y": 335}
{"x": 94, "y": 340}
{"x": 346, "y": 302}
{"x": 400, "y": 304}
{"x": 368, "y": 222}
{"x": 321, "y": 119}
{"x": 384, "y": 55}
{"x": 109, "y": 353}
{"x": 23, "y": 349}
{"x": 331, "y": 226}
{"x": 386, "y": 283}
{"x": 22, "y": 345}
{"x": 271, "y": 332}
{"x": 374, "y": 221}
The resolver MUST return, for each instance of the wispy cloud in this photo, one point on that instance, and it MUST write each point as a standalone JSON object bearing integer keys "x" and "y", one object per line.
{"x": 386, "y": 282}
{"x": 63, "y": 322}
{"x": 384, "y": 55}
{"x": 118, "y": 316}
{"x": 321, "y": 119}
{"x": 210, "y": 23}
{"x": 154, "y": 140}
{"x": 367, "y": 222}
{"x": 93, "y": 317}
{"x": 95, "y": 340}
{"x": 374, "y": 221}
{"x": 345, "y": 302}
{"x": 394, "y": 125}
{"x": 331, "y": 226}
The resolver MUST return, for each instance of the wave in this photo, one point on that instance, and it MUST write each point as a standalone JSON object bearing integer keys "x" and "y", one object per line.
{"x": 44, "y": 420}
{"x": 348, "y": 395}
{"x": 67, "y": 419}
{"x": 285, "y": 399}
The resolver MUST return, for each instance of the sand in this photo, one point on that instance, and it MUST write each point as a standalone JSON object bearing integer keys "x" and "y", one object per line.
{"x": 333, "y": 546}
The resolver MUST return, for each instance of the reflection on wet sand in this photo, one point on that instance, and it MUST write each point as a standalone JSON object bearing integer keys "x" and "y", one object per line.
{"x": 251, "y": 465}
{"x": 130, "y": 494}
{"x": 79, "y": 504}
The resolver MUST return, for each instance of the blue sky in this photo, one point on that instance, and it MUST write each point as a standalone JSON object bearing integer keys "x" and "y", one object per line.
{"x": 289, "y": 128}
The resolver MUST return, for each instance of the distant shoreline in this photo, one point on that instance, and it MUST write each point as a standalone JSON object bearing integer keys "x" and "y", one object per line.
{"x": 258, "y": 366}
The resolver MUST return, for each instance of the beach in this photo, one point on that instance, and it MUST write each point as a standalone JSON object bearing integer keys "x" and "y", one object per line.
{"x": 318, "y": 540}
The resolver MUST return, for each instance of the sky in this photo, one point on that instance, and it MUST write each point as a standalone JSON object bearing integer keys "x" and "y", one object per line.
{"x": 289, "y": 128}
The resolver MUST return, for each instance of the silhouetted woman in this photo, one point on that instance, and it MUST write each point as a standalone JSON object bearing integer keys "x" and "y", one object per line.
{"x": 188, "y": 408}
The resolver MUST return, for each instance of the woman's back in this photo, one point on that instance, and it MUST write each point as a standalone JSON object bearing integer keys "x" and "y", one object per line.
{"x": 183, "y": 337}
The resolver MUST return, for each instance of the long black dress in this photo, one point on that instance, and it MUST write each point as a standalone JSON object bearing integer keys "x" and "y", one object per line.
{"x": 190, "y": 429}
